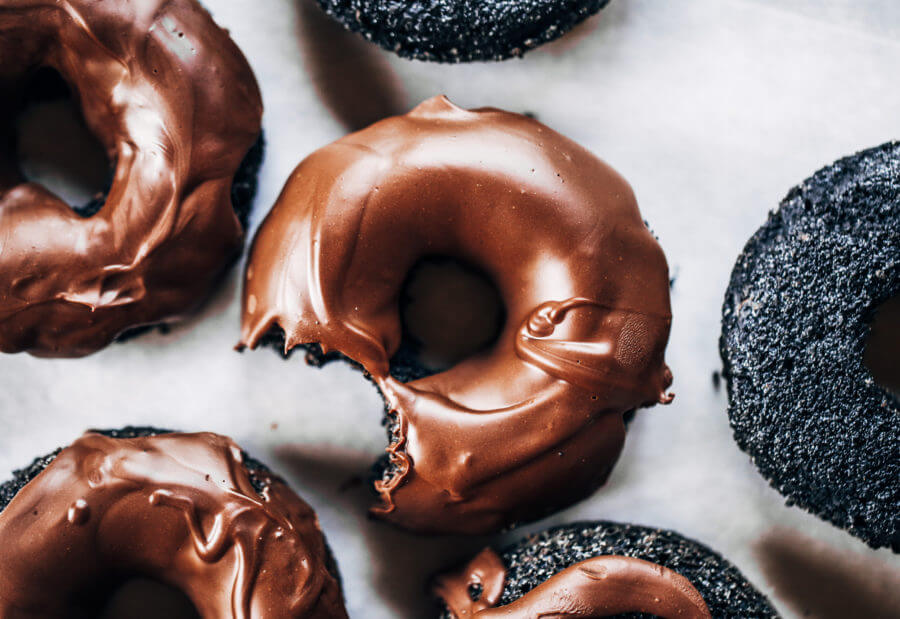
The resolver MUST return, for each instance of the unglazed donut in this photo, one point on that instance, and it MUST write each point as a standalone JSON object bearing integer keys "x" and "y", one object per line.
{"x": 535, "y": 422}
{"x": 176, "y": 105}
{"x": 461, "y": 30}
{"x": 190, "y": 510}
{"x": 795, "y": 320}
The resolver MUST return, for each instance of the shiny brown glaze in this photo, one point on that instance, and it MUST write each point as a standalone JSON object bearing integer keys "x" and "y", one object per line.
{"x": 597, "y": 587}
{"x": 534, "y": 423}
{"x": 176, "y": 105}
{"x": 179, "y": 508}
{"x": 484, "y": 576}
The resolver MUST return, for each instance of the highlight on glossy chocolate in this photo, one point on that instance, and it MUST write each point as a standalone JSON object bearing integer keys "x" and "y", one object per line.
{"x": 530, "y": 424}
{"x": 599, "y": 569}
{"x": 176, "y": 106}
{"x": 144, "y": 509}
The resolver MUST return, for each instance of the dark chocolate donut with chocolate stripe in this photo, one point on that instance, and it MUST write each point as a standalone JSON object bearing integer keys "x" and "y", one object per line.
{"x": 461, "y": 30}
{"x": 796, "y": 316}
{"x": 189, "y": 510}
{"x": 599, "y": 569}
{"x": 534, "y": 422}
{"x": 176, "y": 106}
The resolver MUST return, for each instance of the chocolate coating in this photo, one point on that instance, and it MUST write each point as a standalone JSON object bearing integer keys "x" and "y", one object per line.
{"x": 596, "y": 587}
{"x": 519, "y": 569}
{"x": 180, "y": 508}
{"x": 535, "y": 422}
{"x": 176, "y": 105}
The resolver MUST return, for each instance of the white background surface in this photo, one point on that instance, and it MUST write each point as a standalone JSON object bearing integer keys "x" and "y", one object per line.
{"x": 712, "y": 109}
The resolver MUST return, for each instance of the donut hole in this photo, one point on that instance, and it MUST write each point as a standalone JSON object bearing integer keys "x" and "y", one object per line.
{"x": 55, "y": 148}
{"x": 133, "y": 597}
{"x": 882, "y": 345}
{"x": 449, "y": 310}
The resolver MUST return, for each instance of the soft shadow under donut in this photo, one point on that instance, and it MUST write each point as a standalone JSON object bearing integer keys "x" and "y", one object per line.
{"x": 350, "y": 75}
{"x": 821, "y": 582}
{"x": 336, "y": 477}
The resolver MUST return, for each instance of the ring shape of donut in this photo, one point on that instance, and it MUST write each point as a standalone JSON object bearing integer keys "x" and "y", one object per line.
{"x": 796, "y": 317}
{"x": 535, "y": 422}
{"x": 602, "y": 586}
{"x": 461, "y": 30}
{"x": 599, "y": 569}
{"x": 175, "y": 104}
{"x": 186, "y": 509}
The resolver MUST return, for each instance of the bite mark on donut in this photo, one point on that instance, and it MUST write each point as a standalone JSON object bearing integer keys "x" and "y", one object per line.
{"x": 328, "y": 266}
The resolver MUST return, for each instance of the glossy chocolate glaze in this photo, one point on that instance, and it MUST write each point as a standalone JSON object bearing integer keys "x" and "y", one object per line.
{"x": 597, "y": 587}
{"x": 176, "y": 105}
{"x": 474, "y": 588}
{"x": 179, "y": 508}
{"x": 534, "y": 423}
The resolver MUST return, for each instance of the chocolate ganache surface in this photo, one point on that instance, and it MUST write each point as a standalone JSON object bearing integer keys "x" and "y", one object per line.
{"x": 179, "y": 508}
{"x": 175, "y": 104}
{"x": 597, "y": 587}
{"x": 535, "y": 422}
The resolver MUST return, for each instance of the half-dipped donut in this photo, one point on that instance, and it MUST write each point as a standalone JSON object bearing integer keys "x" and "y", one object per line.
{"x": 174, "y": 102}
{"x": 535, "y": 422}
{"x": 189, "y": 510}
{"x": 599, "y": 569}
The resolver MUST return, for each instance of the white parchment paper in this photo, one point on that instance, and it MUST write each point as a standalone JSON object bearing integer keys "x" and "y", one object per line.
{"x": 712, "y": 109}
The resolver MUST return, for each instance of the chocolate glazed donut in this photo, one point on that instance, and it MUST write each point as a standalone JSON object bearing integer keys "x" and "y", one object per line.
{"x": 186, "y": 509}
{"x": 536, "y": 422}
{"x": 597, "y": 587}
{"x": 176, "y": 105}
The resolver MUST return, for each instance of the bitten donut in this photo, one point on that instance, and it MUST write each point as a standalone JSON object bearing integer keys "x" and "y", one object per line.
{"x": 176, "y": 105}
{"x": 794, "y": 326}
{"x": 535, "y": 422}
{"x": 189, "y": 510}
{"x": 461, "y": 30}
{"x": 599, "y": 569}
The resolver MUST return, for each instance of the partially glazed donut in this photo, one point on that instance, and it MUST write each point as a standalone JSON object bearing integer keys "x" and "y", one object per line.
{"x": 601, "y": 586}
{"x": 190, "y": 510}
{"x": 535, "y": 422}
{"x": 599, "y": 569}
{"x": 176, "y": 105}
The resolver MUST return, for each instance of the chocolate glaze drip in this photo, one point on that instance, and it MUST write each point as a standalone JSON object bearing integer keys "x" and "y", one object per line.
{"x": 179, "y": 508}
{"x": 534, "y": 423}
{"x": 598, "y": 587}
{"x": 593, "y": 363}
{"x": 473, "y": 589}
{"x": 177, "y": 107}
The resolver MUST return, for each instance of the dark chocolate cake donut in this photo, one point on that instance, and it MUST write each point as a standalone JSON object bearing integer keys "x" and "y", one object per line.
{"x": 190, "y": 510}
{"x": 176, "y": 106}
{"x": 532, "y": 423}
{"x": 795, "y": 320}
{"x": 599, "y": 569}
{"x": 461, "y": 30}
